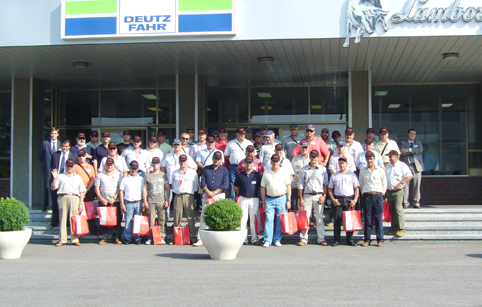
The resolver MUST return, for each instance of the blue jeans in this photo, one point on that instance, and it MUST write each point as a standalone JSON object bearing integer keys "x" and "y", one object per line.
{"x": 272, "y": 205}
{"x": 131, "y": 210}
{"x": 232, "y": 176}
{"x": 373, "y": 207}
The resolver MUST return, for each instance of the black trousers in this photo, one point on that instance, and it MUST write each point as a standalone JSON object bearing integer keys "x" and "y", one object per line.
{"x": 103, "y": 231}
{"x": 338, "y": 215}
{"x": 54, "y": 221}
{"x": 373, "y": 207}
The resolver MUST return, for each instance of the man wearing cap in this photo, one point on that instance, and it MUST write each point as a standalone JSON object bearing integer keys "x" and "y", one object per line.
{"x": 268, "y": 149}
{"x": 398, "y": 175}
{"x": 120, "y": 165}
{"x": 298, "y": 163}
{"x": 107, "y": 190}
{"x": 70, "y": 191}
{"x": 101, "y": 151}
{"x": 275, "y": 196}
{"x": 289, "y": 143}
{"x": 45, "y": 155}
{"x": 221, "y": 144}
{"x": 341, "y": 152}
{"x": 94, "y": 139}
{"x": 214, "y": 182}
{"x": 249, "y": 134}
{"x": 258, "y": 142}
{"x": 161, "y": 143}
{"x": 171, "y": 161}
{"x": 411, "y": 154}
{"x": 86, "y": 172}
{"x": 130, "y": 196}
{"x": 385, "y": 145}
{"x": 81, "y": 145}
{"x": 247, "y": 185}
{"x": 200, "y": 145}
{"x": 312, "y": 190}
{"x": 325, "y": 136}
{"x": 315, "y": 143}
{"x": 126, "y": 136}
{"x": 263, "y": 129}
{"x": 343, "y": 190}
{"x": 285, "y": 164}
{"x": 152, "y": 151}
{"x": 185, "y": 182}
{"x": 138, "y": 154}
{"x": 205, "y": 156}
{"x": 185, "y": 143}
{"x": 191, "y": 133}
{"x": 353, "y": 147}
{"x": 215, "y": 135}
{"x": 336, "y": 136}
{"x": 361, "y": 162}
{"x": 370, "y": 133}
{"x": 155, "y": 196}
{"x": 373, "y": 185}
{"x": 256, "y": 164}
{"x": 235, "y": 152}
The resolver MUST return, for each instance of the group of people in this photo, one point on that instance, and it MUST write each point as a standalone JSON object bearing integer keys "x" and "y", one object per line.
{"x": 255, "y": 169}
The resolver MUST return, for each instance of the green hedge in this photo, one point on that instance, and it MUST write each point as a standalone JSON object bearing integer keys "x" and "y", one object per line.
{"x": 13, "y": 214}
{"x": 223, "y": 215}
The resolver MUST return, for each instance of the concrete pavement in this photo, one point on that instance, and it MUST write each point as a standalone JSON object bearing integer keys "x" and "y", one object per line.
{"x": 408, "y": 274}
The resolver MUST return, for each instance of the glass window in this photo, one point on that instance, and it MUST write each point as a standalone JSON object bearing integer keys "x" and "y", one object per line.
{"x": 437, "y": 112}
{"x": 167, "y": 106}
{"x": 78, "y": 108}
{"x": 279, "y": 104}
{"x": 47, "y": 114}
{"x": 227, "y": 105}
{"x": 329, "y": 104}
{"x": 128, "y": 107}
{"x": 5, "y": 132}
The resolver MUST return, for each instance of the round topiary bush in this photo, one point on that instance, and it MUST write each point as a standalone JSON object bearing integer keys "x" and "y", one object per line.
{"x": 13, "y": 214}
{"x": 223, "y": 215}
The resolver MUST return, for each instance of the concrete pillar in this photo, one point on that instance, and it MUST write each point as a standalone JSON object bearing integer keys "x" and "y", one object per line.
{"x": 188, "y": 95}
{"x": 27, "y": 134}
{"x": 360, "y": 101}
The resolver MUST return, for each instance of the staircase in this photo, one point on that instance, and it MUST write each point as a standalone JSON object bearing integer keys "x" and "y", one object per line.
{"x": 424, "y": 224}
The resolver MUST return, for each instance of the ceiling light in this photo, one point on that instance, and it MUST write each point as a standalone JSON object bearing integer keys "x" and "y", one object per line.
{"x": 47, "y": 99}
{"x": 81, "y": 64}
{"x": 209, "y": 109}
{"x": 447, "y": 105}
{"x": 154, "y": 109}
{"x": 316, "y": 107}
{"x": 265, "y": 59}
{"x": 149, "y": 96}
{"x": 450, "y": 56}
{"x": 381, "y": 93}
{"x": 269, "y": 108}
{"x": 264, "y": 95}
{"x": 394, "y": 106}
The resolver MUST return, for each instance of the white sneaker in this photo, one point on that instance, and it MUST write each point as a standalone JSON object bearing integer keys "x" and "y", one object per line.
{"x": 277, "y": 244}
{"x": 163, "y": 242}
{"x": 148, "y": 242}
{"x": 245, "y": 242}
{"x": 266, "y": 244}
{"x": 198, "y": 243}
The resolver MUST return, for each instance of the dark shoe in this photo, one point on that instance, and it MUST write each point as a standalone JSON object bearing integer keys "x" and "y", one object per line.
{"x": 45, "y": 208}
{"x": 323, "y": 243}
{"x": 365, "y": 244}
{"x": 77, "y": 244}
{"x": 117, "y": 241}
{"x": 101, "y": 242}
{"x": 301, "y": 243}
{"x": 380, "y": 244}
{"x": 138, "y": 242}
{"x": 52, "y": 226}
{"x": 417, "y": 207}
{"x": 335, "y": 244}
{"x": 127, "y": 242}
{"x": 256, "y": 243}
{"x": 59, "y": 244}
{"x": 350, "y": 243}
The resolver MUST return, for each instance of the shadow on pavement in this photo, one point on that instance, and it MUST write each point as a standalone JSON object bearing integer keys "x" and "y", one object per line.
{"x": 185, "y": 256}
{"x": 474, "y": 255}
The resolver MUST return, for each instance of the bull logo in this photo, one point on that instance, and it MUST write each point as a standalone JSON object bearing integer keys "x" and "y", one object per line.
{"x": 363, "y": 15}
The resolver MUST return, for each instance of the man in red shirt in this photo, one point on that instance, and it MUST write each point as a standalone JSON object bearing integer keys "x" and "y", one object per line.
{"x": 257, "y": 166}
{"x": 315, "y": 143}
{"x": 221, "y": 144}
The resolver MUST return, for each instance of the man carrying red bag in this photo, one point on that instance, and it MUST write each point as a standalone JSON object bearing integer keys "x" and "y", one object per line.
{"x": 373, "y": 185}
{"x": 107, "y": 190}
{"x": 312, "y": 188}
{"x": 343, "y": 191}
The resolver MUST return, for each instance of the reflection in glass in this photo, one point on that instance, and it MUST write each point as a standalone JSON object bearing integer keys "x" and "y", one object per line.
{"x": 227, "y": 105}
{"x": 5, "y": 132}
{"x": 78, "y": 108}
{"x": 279, "y": 104}
{"x": 128, "y": 107}
{"x": 47, "y": 114}
{"x": 167, "y": 106}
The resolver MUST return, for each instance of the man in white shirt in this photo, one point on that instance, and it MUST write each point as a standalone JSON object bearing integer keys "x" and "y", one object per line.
{"x": 185, "y": 143}
{"x": 398, "y": 174}
{"x": 341, "y": 152}
{"x": 171, "y": 161}
{"x": 138, "y": 154}
{"x": 289, "y": 143}
{"x": 267, "y": 150}
{"x": 162, "y": 145}
{"x": 120, "y": 165}
{"x": 285, "y": 164}
{"x": 130, "y": 197}
{"x": 385, "y": 145}
{"x": 353, "y": 147}
{"x": 235, "y": 151}
{"x": 152, "y": 151}
{"x": 200, "y": 145}
{"x": 361, "y": 162}
{"x": 298, "y": 162}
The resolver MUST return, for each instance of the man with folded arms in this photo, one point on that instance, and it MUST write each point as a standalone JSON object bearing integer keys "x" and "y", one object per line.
{"x": 130, "y": 196}
{"x": 70, "y": 191}
{"x": 214, "y": 182}
{"x": 246, "y": 185}
{"x": 139, "y": 155}
{"x": 235, "y": 152}
{"x": 107, "y": 190}
{"x": 314, "y": 143}
{"x": 398, "y": 174}
{"x": 312, "y": 189}
{"x": 343, "y": 191}
{"x": 120, "y": 165}
{"x": 373, "y": 185}
{"x": 276, "y": 194}
{"x": 155, "y": 195}
{"x": 185, "y": 182}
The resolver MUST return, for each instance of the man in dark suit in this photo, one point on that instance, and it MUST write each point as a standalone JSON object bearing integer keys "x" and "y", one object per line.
{"x": 58, "y": 162}
{"x": 47, "y": 148}
{"x": 411, "y": 154}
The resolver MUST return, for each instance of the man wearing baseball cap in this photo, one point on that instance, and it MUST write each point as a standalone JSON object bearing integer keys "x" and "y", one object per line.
{"x": 268, "y": 149}
{"x": 81, "y": 145}
{"x": 298, "y": 162}
{"x": 130, "y": 196}
{"x": 315, "y": 143}
{"x": 86, "y": 172}
{"x": 370, "y": 134}
{"x": 373, "y": 185}
{"x": 325, "y": 136}
{"x": 289, "y": 143}
{"x": 341, "y": 152}
{"x": 120, "y": 165}
{"x": 222, "y": 142}
{"x": 170, "y": 163}
{"x": 191, "y": 133}
{"x": 162, "y": 144}
{"x": 285, "y": 164}
{"x": 234, "y": 153}
{"x": 385, "y": 145}
{"x": 94, "y": 139}
{"x": 126, "y": 143}
{"x": 152, "y": 151}
{"x": 139, "y": 155}
{"x": 257, "y": 166}
{"x": 249, "y": 134}
{"x": 353, "y": 147}
{"x": 361, "y": 162}
{"x": 101, "y": 151}
{"x": 258, "y": 142}
{"x": 200, "y": 145}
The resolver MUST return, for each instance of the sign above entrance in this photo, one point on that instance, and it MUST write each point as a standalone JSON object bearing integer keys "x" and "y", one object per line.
{"x": 131, "y": 18}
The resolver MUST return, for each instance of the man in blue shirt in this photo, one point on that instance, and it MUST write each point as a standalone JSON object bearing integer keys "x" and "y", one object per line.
{"x": 246, "y": 185}
{"x": 214, "y": 182}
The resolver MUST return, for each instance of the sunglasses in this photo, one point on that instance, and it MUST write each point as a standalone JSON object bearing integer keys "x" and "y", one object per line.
{"x": 185, "y": 139}
{"x": 94, "y": 136}
{"x": 80, "y": 156}
{"x": 308, "y": 130}
{"x": 112, "y": 148}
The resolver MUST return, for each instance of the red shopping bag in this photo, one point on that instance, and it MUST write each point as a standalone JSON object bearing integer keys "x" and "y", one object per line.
{"x": 259, "y": 220}
{"x": 89, "y": 210}
{"x": 215, "y": 198}
{"x": 288, "y": 223}
{"x": 303, "y": 222}
{"x": 352, "y": 220}
{"x": 141, "y": 225}
{"x": 181, "y": 236}
{"x": 236, "y": 200}
{"x": 387, "y": 213}
{"x": 79, "y": 225}
{"x": 156, "y": 235}
{"x": 107, "y": 216}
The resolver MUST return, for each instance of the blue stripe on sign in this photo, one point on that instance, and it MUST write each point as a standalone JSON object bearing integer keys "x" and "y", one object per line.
{"x": 205, "y": 23}
{"x": 90, "y": 26}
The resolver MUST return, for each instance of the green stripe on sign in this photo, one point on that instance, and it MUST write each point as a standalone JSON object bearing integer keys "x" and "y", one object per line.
{"x": 205, "y": 5}
{"x": 90, "y": 7}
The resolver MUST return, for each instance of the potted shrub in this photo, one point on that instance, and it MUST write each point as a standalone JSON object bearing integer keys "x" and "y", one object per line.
{"x": 224, "y": 237}
{"x": 13, "y": 237}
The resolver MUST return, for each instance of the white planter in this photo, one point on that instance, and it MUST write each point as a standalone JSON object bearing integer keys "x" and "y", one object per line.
{"x": 223, "y": 245}
{"x": 12, "y": 243}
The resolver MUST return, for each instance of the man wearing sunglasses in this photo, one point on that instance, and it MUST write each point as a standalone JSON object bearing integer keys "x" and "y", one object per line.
{"x": 185, "y": 145}
{"x": 315, "y": 143}
{"x": 94, "y": 139}
{"x": 81, "y": 145}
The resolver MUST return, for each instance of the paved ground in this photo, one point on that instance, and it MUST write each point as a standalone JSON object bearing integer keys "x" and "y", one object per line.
{"x": 408, "y": 274}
